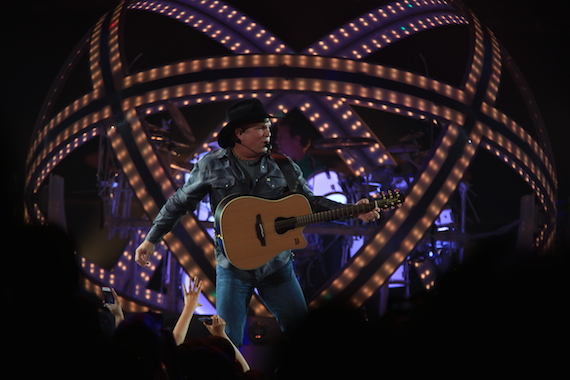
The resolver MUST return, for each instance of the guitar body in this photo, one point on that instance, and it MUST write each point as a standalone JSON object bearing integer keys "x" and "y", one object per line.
{"x": 254, "y": 230}
{"x": 247, "y": 229}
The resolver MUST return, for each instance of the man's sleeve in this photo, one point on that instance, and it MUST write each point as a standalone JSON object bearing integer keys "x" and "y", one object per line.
{"x": 184, "y": 200}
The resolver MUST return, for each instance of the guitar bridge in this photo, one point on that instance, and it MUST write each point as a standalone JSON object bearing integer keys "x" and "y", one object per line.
{"x": 259, "y": 230}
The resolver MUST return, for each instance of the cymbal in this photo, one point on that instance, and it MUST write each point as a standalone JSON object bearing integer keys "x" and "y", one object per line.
{"x": 344, "y": 142}
{"x": 168, "y": 143}
{"x": 403, "y": 148}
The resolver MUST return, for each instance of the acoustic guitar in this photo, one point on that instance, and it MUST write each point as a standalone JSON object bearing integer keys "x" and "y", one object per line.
{"x": 253, "y": 230}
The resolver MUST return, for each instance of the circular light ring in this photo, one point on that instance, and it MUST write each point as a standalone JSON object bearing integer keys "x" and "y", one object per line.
{"x": 58, "y": 144}
{"x": 219, "y": 21}
{"x": 219, "y": 89}
{"x": 364, "y": 44}
{"x": 388, "y": 89}
{"x": 411, "y": 198}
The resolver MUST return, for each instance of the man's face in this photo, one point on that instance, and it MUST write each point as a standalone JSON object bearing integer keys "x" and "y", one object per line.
{"x": 255, "y": 135}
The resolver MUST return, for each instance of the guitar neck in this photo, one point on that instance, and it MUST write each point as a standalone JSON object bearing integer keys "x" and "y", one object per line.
{"x": 388, "y": 201}
{"x": 339, "y": 213}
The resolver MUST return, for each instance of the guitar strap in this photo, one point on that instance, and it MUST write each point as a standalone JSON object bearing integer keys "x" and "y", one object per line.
{"x": 288, "y": 171}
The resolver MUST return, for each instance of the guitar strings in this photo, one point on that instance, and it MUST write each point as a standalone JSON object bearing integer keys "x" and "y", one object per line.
{"x": 393, "y": 200}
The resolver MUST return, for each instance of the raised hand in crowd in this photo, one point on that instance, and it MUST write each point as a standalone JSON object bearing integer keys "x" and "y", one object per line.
{"x": 190, "y": 304}
{"x": 217, "y": 328}
{"x": 115, "y": 308}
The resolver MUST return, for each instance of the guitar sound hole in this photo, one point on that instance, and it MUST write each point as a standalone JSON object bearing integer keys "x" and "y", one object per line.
{"x": 283, "y": 225}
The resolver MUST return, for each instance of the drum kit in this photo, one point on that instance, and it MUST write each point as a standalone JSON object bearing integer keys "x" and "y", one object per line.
{"x": 344, "y": 189}
{"x": 330, "y": 246}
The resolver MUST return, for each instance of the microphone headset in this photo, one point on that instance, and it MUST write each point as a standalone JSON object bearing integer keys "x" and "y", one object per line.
{"x": 268, "y": 145}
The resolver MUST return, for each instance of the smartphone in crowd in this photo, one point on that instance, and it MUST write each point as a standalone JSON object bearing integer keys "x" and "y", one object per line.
{"x": 107, "y": 295}
{"x": 207, "y": 320}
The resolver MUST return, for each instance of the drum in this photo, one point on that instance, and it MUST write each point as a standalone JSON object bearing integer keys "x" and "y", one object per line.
{"x": 322, "y": 257}
{"x": 327, "y": 183}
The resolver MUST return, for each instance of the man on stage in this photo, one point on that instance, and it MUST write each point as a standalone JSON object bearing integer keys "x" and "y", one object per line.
{"x": 243, "y": 166}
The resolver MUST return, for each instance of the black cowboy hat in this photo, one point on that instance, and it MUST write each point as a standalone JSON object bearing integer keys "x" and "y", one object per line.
{"x": 241, "y": 112}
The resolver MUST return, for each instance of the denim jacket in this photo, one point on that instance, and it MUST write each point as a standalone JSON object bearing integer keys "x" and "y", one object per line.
{"x": 218, "y": 174}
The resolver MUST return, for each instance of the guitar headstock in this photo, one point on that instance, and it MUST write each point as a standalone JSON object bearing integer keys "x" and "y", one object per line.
{"x": 391, "y": 199}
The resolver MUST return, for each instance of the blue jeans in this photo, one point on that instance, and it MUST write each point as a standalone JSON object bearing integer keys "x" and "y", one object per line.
{"x": 279, "y": 291}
